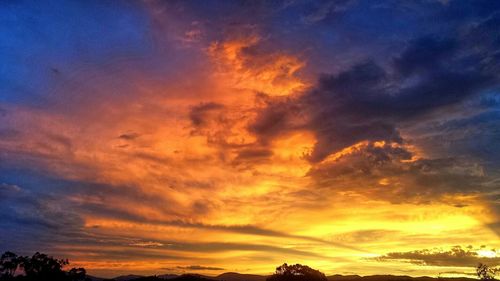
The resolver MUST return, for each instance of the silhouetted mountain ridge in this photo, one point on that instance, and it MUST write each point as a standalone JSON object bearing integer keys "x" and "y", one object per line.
{"x": 233, "y": 276}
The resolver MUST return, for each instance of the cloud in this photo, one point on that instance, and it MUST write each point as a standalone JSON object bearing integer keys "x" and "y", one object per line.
{"x": 249, "y": 229}
{"x": 326, "y": 9}
{"x": 362, "y": 103}
{"x": 9, "y": 189}
{"x": 456, "y": 256}
{"x": 199, "y": 267}
{"x": 277, "y": 117}
{"x": 31, "y": 219}
{"x": 245, "y": 63}
{"x": 242, "y": 229}
{"x": 63, "y": 223}
{"x": 34, "y": 212}
{"x": 425, "y": 54}
{"x": 253, "y": 155}
{"x": 201, "y": 115}
{"x": 362, "y": 119}
{"x": 385, "y": 173}
{"x": 129, "y": 136}
{"x": 372, "y": 102}
{"x": 368, "y": 235}
{"x": 147, "y": 244}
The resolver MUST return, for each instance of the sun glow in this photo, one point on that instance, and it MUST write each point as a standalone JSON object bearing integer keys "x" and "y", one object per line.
{"x": 488, "y": 253}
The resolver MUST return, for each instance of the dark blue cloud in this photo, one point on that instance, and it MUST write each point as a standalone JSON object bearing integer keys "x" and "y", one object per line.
{"x": 425, "y": 55}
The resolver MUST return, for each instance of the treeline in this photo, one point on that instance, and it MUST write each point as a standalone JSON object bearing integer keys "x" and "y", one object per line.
{"x": 38, "y": 267}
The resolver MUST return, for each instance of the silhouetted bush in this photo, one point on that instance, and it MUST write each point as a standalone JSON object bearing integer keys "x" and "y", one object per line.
{"x": 296, "y": 272}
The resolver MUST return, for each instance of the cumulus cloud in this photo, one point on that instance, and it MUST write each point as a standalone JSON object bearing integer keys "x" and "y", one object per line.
{"x": 365, "y": 102}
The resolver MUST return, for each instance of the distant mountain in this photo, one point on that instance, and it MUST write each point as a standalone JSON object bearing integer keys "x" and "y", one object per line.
{"x": 392, "y": 278}
{"x": 192, "y": 277}
{"x": 167, "y": 276}
{"x": 338, "y": 277}
{"x": 233, "y": 276}
{"x": 128, "y": 277}
{"x": 93, "y": 278}
{"x": 148, "y": 278}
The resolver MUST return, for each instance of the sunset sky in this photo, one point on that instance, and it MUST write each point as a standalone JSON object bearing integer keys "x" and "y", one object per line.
{"x": 153, "y": 137}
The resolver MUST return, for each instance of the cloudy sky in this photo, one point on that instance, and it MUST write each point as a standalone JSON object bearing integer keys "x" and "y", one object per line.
{"x": 210, "y": 136}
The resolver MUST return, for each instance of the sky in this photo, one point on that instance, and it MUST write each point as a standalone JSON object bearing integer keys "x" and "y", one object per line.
{"x": 152, "y": 137}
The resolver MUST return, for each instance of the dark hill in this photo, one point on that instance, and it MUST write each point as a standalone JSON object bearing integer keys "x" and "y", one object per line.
{"x": 233, "y": 276}
{"x": 392, "y": 278}
{"x": 128, "y": 277}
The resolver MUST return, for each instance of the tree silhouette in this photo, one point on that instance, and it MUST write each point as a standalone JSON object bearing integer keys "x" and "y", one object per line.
{"x": 484, "y": 272}
{"x": 37, "y": 267}
{"x": 9, "y": 262}
{"x": 77, "y": 274}
{"x": 41, "y": 266}
{"x": 296, "y": 272}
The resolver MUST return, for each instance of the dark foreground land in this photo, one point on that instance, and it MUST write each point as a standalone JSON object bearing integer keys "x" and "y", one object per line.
{"x": 41, "y": 267}
{"x": 230, "y": 276}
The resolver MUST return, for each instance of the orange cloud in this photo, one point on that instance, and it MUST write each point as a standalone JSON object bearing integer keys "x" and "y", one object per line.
{"x": 243, "y": 65}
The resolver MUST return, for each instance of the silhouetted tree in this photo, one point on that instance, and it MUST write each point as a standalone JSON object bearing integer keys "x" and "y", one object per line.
{"x": 296, "y": 272}
{"x": 9, "y": 262}
{"x": 485, "y": 272}
{"x": 43, "y": 267}
{"x": 77, "y": 274}
{"x": 36, "y": 268}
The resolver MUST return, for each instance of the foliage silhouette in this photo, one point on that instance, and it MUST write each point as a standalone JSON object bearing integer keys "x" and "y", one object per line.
{"x": 296, "y": 272}
{"x": 484, "y": 272}
{"x": 38, "y": 267}
{"x": 9, "y": 262}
